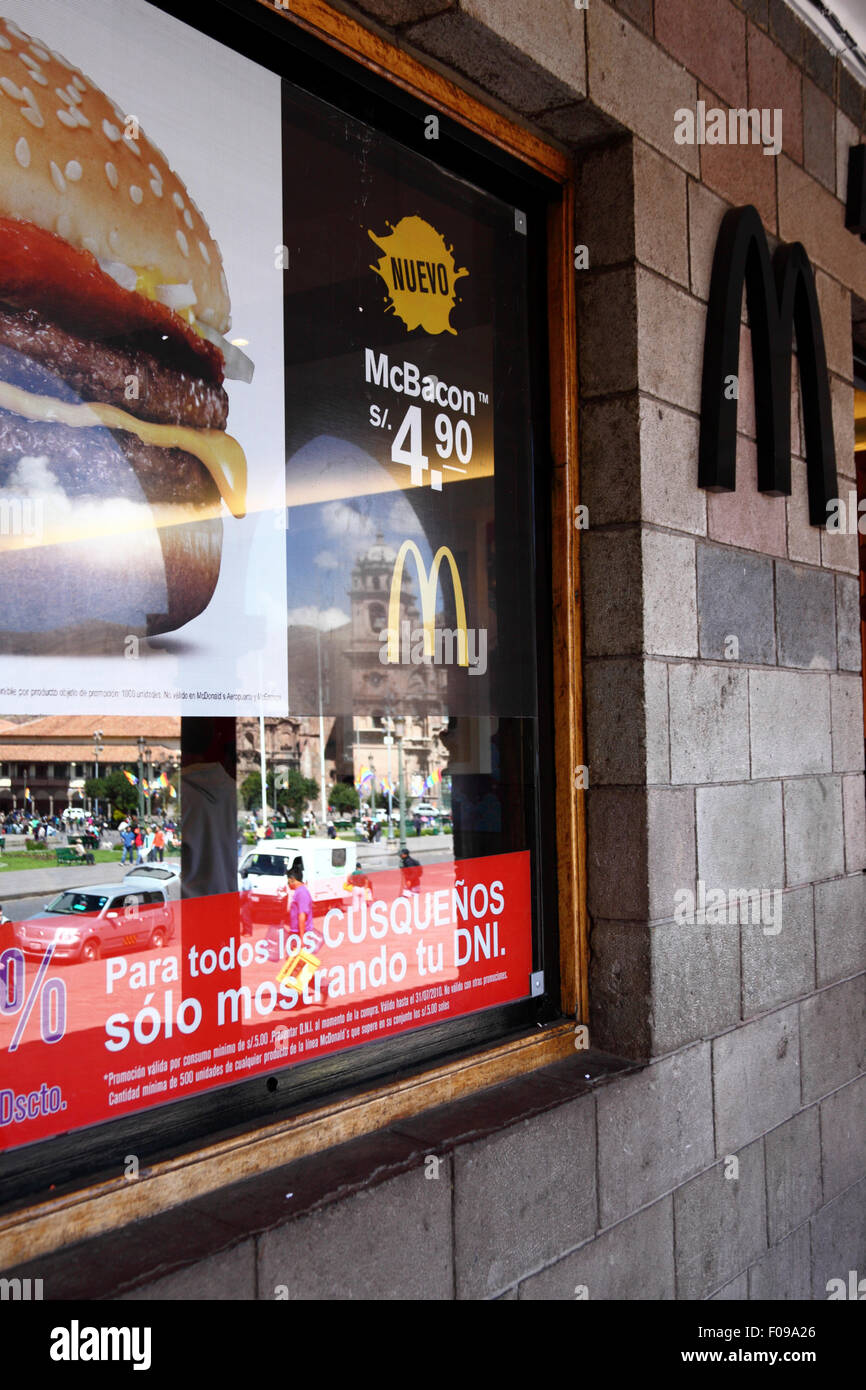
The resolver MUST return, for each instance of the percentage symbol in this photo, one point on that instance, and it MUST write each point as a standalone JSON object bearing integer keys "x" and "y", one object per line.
{"x": 52, "y": 992}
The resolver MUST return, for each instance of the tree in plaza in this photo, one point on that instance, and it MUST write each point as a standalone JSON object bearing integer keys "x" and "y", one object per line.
{"x": 120, "y": 792}
{"x": 251, "y": 791}
{"x": 343, "y": 797}
{"x": 114, "y": 789}
{"x": 295, "y": 792}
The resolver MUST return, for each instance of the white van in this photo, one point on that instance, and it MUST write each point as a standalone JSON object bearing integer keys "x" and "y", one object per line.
{"x": 262, "y": 875}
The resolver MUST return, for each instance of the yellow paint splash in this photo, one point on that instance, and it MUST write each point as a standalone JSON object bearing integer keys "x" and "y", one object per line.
{"x": 420, "y": 274}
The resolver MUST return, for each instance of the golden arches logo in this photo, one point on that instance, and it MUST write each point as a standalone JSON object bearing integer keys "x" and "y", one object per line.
{"x": 428, "y": 584}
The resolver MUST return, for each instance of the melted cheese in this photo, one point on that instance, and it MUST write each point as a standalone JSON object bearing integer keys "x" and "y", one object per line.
{"x": 220, "y": 454}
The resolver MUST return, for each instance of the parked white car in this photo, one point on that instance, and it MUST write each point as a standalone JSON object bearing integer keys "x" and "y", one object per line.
{"x": 164, "y": 875}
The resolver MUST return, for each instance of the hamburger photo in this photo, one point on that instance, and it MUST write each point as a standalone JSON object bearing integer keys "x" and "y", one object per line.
{"x": 116, "y": 468}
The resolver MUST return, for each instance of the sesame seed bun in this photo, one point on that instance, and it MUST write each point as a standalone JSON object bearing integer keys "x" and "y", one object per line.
{"x": 75, "y": 164}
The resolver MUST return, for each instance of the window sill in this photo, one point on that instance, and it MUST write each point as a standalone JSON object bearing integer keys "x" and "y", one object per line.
{"x": 130, "y": 1244}
{"x": 50, "y": 1226}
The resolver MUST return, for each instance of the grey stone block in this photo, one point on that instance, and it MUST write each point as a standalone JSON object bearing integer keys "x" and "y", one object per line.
{"x": 620, "y": 988}
{"x": 670, "y": 846}
{"x": 577, "y": 125}
{"x": 790, "y": 723}
{"x": 709, "y": 709}
{"x": 607, "y": 331}
{"x": 785, "y": 1272}
{"x": 819, "y": 135}
{"x": 613, "y": 620}
{"x": 550, "y": 35}
{"x": 848, "y": 644}
{"x": 633, "y": 1260}
{"x": 695, "y": 982}
{"x": 229, "y": 1276}
{"x": 497, "y": 66}
{"x": 814, "y": 841}
{"x": 668, "y": 450}
{"x": 655, "y": 1129}
{"x": 854, "y": 808}
{"x": 404, "y": 11}
{"x": 720, "y": 1224}
{"x": 670, "y": 603}
{"x": 658, "y": 753}
{"x": 793, "y": 1156}
{"x": 778, "y": 966}
{"x": 523, "y": 1197}
{"x": 740, "y": 841}
{"x": 615, "y": 721}
{"x": 843, "y": 1137}
{"x": 667, "y": 315}
{"x": 805, "y": 617}
{"x": 616, "y": 853}
{"x": 840, "y": 928}
{"x": 846, "y": 704}
{"x": 833, "y": 1037}
{"x": 392, "y": 1241}
{"x": 610, "y": 459}
{"x": 756, "y": 1078}
{"x": 735, "y": 599}
{"x": 839, "y": 1240}
{"x": 737, "y": 1290}
{"x": 604, "y": 210}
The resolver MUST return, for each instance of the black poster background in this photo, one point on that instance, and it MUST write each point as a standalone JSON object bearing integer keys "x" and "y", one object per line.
{"x": 346, "y": 499}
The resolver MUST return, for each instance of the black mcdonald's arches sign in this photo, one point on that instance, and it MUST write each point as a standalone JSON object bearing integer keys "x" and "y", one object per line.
{"x": 780, "y": 296}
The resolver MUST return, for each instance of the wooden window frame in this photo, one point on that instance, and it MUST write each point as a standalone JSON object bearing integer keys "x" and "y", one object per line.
{"x": 39, "y": 1229}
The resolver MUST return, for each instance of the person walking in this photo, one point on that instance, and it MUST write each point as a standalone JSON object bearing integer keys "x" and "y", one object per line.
{"x": 127, "y": 839}
{"x": 411, "y": 872}
{"x": 301, "y": 909}
{"x": 159, "y": 844}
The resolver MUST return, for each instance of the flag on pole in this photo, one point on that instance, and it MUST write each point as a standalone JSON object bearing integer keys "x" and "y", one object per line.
{"x": 131, "y": 779}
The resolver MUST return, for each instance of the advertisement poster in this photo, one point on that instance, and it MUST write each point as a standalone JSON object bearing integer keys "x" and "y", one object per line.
{"x": 142, "y": 540}
{"x": 87, "y": 1040}
{"x": 402, "y": 361}
{"x": 339, "y": 536}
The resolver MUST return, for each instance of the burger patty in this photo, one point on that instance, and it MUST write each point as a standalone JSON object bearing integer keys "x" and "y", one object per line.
{"x": 34, "y": 353}
{"x": 89, "y": 463}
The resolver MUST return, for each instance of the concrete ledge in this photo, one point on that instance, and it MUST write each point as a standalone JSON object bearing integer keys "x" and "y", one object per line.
{"x": 136, "y": 1255}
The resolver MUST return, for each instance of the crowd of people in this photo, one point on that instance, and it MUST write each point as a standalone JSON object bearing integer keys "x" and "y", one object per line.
{"x": 141, "y": 843}
{"x": 146, "y": 844}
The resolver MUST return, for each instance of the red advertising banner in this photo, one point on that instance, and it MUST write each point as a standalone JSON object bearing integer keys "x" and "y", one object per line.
{"x": 188, "y": 996}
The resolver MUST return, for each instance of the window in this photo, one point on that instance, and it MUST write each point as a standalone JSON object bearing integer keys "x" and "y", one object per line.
{"x": 409, "y": 436}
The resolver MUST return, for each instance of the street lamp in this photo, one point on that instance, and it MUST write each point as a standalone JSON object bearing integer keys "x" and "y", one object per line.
{"x": 388, "y": 741}
{"x": 141, "y": 777}
{"x": 400, "y": 730}
{"x": 149, "y": 755}
{"x": 97, "y": 749}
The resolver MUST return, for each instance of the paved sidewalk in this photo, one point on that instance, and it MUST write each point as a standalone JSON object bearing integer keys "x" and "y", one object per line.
{"x": 33, "y": 883}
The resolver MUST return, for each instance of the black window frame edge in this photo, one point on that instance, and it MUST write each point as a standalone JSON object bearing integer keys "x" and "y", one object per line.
{"x": 49, "y": 1169}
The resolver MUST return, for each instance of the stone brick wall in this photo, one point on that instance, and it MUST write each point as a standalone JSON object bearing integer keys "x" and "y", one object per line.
{"x": 736, "y": 772}
{"x": 730, "y": 1163}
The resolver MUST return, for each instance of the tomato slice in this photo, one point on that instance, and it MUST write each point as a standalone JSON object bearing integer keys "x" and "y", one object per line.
{"x": 39, "y": 270}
